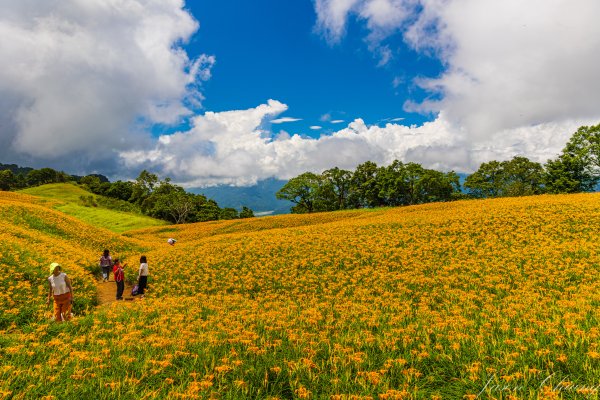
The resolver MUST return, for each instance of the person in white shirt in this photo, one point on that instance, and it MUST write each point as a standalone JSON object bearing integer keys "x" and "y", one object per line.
{"x": 143, "y": 276}
{"x": 62, "y": 291}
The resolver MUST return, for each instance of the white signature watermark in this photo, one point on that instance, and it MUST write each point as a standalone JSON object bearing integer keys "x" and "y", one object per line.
{"x": 564, "y": 385}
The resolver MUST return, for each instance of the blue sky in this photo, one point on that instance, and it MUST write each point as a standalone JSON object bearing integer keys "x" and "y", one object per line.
{"x": 195, "y": 90}
{"x": 268, "y": 49}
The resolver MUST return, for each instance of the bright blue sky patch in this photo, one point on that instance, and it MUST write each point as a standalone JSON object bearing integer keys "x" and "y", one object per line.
{"x": 267, "y": 49}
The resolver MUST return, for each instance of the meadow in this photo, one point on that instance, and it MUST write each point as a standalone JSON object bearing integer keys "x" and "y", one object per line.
{"x": 471, "y": 299}
{"x": 66, "y": 197}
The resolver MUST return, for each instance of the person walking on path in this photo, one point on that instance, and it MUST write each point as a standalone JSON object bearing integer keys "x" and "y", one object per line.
{"x": 62, "y": 291}
{"x": 143, "y": 276}
{"x": 119, "y": 273}
{"x": 106, "y": 264}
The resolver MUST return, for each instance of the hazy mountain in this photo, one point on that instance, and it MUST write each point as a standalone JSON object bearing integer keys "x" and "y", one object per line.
{"x": 260, "y": 197}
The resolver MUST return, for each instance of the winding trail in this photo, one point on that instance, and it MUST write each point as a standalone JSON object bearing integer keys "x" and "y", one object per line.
{"x": 107, "y": 292}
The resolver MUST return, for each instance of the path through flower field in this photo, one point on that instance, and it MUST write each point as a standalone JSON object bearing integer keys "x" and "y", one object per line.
{"x": 470, "y": 299}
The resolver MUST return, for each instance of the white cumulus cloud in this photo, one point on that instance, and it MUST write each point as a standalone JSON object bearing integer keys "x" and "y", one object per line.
{"x": 78, "y": 75}
{"x": 509, "y": 65}
{"x": 231, "y": 147}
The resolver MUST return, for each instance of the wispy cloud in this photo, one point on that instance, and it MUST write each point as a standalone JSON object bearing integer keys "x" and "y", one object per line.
{"x": 325, "y": 117}
{"x": 337, "y": 121}
{"x": 285, "y": 119}
{"x": 316, "y": 127}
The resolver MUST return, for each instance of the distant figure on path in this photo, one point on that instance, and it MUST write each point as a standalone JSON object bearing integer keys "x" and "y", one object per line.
{"x": 106, "y": 263}
{"x": 143, "y": 276}
{"x": 62, "y": 291}
{"x": 119, "y": 274}
{"x": 171, "y": 241}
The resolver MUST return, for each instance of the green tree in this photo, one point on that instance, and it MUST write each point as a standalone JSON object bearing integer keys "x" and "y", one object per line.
{"x": 120, "y": 190}
{"x": 143, "y": 187}
{"x": 337, "y": 186}
{"x": 487, "y": 181}
{"x": 92, "y": 182}
{"x": 246, "y": 212}
{"x": 438, "y": 186}
{"x": 577, "y": 168}
{"x": 206, "y": 209}
{"x": 302, "y": 191}
{"x": 8, "y": 180}
{"x": 45, "y": 175}
{"x": 228, "y": 213}
{"x": 364, "y": 186}
{"x": 522, "y": 177}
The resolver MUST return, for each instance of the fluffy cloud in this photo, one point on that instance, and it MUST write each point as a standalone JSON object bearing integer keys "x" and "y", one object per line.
{"x": 77, "y": 75}
{"x": 231, "y": 147}
{"x": 510, "y": 64}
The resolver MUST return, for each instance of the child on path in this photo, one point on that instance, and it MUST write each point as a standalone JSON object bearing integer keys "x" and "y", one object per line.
{"x": 106, "y": 263}
{"x": 62, "y": 291}
{"x": 119, "y": 274}
{"x": 143, "y": 276}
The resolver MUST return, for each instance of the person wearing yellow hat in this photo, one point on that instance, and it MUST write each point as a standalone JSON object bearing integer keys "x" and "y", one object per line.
{"x": 62, "y": 291}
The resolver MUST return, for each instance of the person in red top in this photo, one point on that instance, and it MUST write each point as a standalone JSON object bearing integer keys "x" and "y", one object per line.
{"x": 119, "y": 274}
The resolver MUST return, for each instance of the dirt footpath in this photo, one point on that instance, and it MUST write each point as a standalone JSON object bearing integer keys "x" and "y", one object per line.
{"x": 107, "y": 292}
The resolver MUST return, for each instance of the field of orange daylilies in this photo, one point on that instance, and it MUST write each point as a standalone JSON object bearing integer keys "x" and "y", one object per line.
{"x": 470, "y": 299}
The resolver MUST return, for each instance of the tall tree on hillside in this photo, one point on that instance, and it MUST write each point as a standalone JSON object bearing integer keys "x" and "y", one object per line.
{"x": 364, "y": 186}
{"x": 45, "y": 175}
{"x": 246, "y": 213}
{"x": 522, "y": 177}
{"x": 205, "y": 209}
{"x": 144, "y": 186}
{"x": 392, "y": 186}
{"x": 577, "y": 168}
{"x": 487, "y": 181}
{"x": 339, "y": 179}
{"x": 120, "y": 190}
{"x": 438, "y": 186}
{"x": 301, "y": 190}
{"x": 7, "y": 180}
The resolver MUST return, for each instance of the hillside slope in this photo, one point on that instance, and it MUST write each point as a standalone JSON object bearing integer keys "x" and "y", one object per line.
{"x": 31, "y": 237}
{"x": 445, "y": 300}
{"x": 65, "y": 197}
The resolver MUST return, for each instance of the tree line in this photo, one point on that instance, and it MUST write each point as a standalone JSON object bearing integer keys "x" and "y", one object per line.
{"x": 576, "y": 169}
{"x": 153, "y": 197}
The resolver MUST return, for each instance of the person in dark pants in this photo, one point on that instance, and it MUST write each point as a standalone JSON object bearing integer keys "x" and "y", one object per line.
{"x": 106, "y": 264}
{"x": 119, "y": 273}
{"x": 142, "y": 276}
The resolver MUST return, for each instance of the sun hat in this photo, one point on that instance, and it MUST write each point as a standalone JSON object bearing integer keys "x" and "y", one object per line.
{"x": 53, "y": 266}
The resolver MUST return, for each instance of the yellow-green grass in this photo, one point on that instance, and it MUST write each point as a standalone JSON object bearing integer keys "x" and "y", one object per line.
{"x": 65, "y": 197}
{"x": 31, "y": 237}
{"x": 473, "y": 299}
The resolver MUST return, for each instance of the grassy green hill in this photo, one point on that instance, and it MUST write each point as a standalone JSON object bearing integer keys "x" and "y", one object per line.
{"x": 66, "y": 197}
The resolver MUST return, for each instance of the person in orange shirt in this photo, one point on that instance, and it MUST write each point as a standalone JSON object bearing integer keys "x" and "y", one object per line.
{"x": 62, "y": 291}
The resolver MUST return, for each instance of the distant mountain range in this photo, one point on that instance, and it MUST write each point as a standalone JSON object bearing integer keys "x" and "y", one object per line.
{"x": 260, "y": 197}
